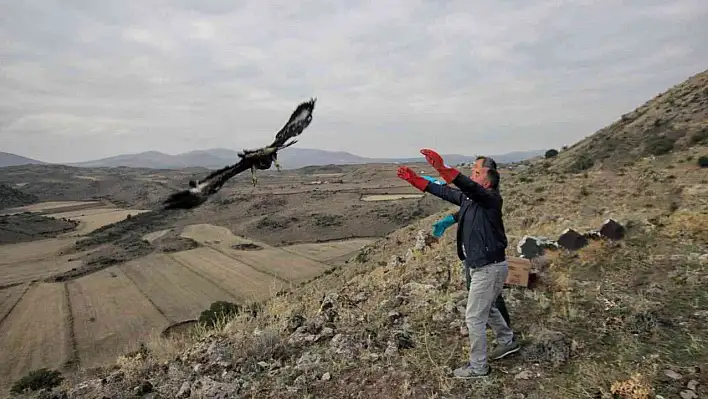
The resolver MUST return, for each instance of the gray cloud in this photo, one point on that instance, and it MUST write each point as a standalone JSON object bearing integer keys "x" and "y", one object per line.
{"x": 84, "y": 79}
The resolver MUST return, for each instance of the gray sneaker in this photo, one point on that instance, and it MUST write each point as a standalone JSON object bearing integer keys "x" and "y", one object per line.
{"x": 467, "y": 372}
{"x": 503, "y": 350}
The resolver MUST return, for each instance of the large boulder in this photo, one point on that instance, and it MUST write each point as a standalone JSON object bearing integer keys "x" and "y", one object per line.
{"x": 572, "y": 240}
{"x": 612, "y": 230}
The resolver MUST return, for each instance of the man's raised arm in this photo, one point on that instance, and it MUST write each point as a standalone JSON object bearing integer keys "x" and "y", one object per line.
{"x": 441, "y": 191}
{"x": 471, "y": 189}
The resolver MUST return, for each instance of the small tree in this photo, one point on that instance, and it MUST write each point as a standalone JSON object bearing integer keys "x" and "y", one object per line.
{"x": 551, "y": 153}
{"x": 218, "y": 310}
{"x": 703, "y": 161}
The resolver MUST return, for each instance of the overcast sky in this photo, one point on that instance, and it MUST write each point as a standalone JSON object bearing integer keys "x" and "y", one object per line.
{"x": 85, "y": 79}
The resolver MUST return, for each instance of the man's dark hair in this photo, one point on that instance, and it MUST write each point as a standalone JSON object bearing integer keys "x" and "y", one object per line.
{"x": 487, "y": 162}
{"x": 493, "y": 177}
{"x": 492, "y": 172}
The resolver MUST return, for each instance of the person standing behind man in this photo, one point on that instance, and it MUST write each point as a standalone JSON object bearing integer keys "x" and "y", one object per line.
{"x": 481, "y": 244}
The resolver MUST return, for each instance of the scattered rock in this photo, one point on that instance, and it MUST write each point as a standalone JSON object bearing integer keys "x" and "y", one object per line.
{"x": 308, "y": 361}
{"x": 184, "y": 390}
{"x": 395, "y": 261}
{"x": 86, "y": 388}
{"x": 612, "y": 230}
{"x": 326, "y": 376}
{"x": 672, "y": 374}
{"x": 692, "y": 385}
{"x": 417, "y": 289}
{"x": 394, "y": 317}
{"x": 360, "y": 297}
{"x": 524, "y": 375}
{"x": 688, "y": 394}
{"x": 572, "y": 240}
{"x": 206, "y": 387}
{"x": 344, "y": 345}
{"x": 295, "y": 321}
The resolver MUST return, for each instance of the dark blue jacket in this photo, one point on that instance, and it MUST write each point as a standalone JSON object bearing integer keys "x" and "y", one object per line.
{"x": 481, "y": 238}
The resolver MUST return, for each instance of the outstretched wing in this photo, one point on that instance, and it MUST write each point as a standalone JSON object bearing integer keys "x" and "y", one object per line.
{"x": 298, "y": 122}
{"x": 200, "y": 190}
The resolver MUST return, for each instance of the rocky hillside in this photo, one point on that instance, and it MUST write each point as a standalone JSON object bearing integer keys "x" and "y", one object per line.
{"x": 675, "y": 119}
{"x": 11, "y": 197}
{"x": 624, "y": 318}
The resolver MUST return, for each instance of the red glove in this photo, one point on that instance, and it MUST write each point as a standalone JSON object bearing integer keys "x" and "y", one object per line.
{"x": 435, "y": 160}
{"x": 409, "y": 175}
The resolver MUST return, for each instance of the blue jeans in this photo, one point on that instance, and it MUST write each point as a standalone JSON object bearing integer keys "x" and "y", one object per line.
{"x": 486, "y": 284}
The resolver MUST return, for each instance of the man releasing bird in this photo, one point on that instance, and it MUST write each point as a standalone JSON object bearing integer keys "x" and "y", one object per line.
{"x": 261, "y": 159}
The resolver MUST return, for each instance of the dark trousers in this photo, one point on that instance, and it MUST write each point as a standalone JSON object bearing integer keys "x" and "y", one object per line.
{"x": 498, "y": 303}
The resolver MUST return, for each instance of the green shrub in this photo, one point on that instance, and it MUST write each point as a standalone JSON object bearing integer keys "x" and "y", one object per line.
{"x": 583, "y": 162}
{"x": 703, "y": 161}
{"x": 551, "y": 153}
{"x": 218, "y": 310}
{"x": 659, "y": 146}
{"x": 38, "y": 379}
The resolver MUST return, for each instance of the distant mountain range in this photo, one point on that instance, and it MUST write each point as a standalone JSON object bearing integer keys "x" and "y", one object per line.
{"x": 7, "y": 159}
{"x": 291, "y": 158}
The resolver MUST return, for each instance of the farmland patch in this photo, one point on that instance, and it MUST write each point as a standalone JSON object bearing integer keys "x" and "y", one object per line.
{"x": 285, "y": 265}
{"x": 177, "y": 291}
{"x": 9, "y": 297}
{"x": 35, "y": 334}
{"x": 53, "y": 206}
{"x": 33, "y": 251}
{"x": 209, "y": 234}
{"x": 111, "y": 316}
{"x": 237, "y": 278}
{"x": 36, "y": 269}
{"x": 326, "y": 251}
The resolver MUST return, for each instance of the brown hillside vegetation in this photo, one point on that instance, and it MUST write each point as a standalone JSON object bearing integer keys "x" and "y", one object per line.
{"x": 615, "y": 319}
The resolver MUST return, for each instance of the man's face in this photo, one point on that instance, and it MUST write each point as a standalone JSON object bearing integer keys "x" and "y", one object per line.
{"x": 479, "y": 174}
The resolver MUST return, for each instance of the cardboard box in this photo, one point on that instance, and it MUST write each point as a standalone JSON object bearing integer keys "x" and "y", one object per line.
{"x": 519, "y": 269}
